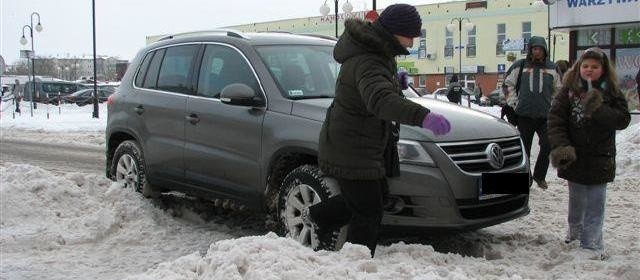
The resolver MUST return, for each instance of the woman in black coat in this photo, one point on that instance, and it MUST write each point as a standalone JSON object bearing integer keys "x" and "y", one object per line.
{"x": 358, "y": 140}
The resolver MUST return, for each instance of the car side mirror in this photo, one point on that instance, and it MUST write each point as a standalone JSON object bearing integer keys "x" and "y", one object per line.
{"x": 240, "y": 94}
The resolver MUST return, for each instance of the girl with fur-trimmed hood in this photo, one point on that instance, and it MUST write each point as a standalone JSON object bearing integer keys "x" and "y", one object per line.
{"x": 583, "y": 121}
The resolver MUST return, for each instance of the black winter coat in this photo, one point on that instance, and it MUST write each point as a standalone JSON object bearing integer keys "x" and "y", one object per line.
{"x": 594, "y": 139}
{"x": 358, "y": 130}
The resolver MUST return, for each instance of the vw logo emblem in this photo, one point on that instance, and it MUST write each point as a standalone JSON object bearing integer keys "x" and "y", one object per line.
{"x": 495, "y": 156}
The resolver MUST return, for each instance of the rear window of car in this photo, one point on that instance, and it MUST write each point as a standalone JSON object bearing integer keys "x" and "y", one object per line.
{"x": 63, "y": 88}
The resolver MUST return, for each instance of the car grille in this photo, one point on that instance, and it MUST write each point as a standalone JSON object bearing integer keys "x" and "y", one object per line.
{"x": 472, "y": 157}
{"x": 491, "y": 208}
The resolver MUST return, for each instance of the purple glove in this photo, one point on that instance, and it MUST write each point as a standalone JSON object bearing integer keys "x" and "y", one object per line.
{"x": 436, "y": 123}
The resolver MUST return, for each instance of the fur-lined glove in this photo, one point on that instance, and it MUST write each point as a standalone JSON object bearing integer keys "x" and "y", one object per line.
{"x": 591, "y": 102}
{"x": 562, "y": 157}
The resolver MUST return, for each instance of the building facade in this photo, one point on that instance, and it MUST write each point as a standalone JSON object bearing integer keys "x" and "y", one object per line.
{"x": 484, "y": 55}
{"x": 613, "y": 26}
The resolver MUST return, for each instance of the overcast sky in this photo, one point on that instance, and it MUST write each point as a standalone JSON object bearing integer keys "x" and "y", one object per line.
{"x": 121, "y": 25}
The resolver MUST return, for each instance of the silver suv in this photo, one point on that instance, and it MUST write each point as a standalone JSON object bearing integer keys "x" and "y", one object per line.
{"x": 235, "y": 118}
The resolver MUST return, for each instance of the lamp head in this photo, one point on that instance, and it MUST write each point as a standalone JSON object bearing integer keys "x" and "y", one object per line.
{"x": 451, "y": 27}
{"x": 347, "y": 7}
{"x": 23, "y": 40}
{"x": 468, "y": 26}
{"x": 39, "y": 27}
{"x": 324, "y": 9}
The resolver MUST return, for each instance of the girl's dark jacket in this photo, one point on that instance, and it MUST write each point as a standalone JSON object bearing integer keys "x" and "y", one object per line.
{"x": 358, "y": 139}
{"x": 594, "y": 139}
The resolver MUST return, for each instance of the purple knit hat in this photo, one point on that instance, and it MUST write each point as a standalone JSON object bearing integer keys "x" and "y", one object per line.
{"x": 401, "y": 19}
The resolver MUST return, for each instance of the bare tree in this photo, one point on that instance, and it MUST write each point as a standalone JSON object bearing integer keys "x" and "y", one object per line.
{"x": 21, "y": 67}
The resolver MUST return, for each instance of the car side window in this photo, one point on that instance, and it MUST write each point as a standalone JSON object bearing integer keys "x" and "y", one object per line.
{"x": 222, "y": 66}
{"x": 143, "y": 69}
{"x": 176, "y": 68}
{"x": 151, "y": 79}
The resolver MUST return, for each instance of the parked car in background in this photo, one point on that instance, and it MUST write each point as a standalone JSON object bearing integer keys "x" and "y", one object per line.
{"x": 441, "y": 93}
{"x": 235, "y": 118}
{"x": 495, "y": 98}
{"x": 48, "y": 91}
{"x": 85, "y": 96}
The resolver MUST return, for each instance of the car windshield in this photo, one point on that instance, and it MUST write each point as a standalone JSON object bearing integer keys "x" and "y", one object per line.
{"x": 302, "y": 71}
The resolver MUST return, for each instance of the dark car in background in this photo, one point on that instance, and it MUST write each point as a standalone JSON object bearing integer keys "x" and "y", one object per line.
{"x": 235, "y": 118}
{"x": 49, "y": 91}
{"x": 85, "y": 96}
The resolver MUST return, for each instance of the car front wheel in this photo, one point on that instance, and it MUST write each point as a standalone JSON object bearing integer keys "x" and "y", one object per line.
{"x": 128, "y": 167}
{"x": 302, "y": 187}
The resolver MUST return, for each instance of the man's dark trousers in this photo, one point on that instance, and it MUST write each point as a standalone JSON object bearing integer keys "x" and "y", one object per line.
{"x": 528, "y": 127}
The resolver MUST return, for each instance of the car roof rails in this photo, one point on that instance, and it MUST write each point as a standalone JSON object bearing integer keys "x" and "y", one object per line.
{"x": 302, "y": 34}
{"x": 229, "y": 32}
{"x": 320, "y": 36}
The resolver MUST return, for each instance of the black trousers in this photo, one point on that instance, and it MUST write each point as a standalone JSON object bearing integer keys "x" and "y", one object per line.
{"x": 360, "y": 205}
{"x": 528, "y": 127}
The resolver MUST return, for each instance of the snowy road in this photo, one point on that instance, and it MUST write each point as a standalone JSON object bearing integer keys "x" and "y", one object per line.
{"x": 55, "y": 157}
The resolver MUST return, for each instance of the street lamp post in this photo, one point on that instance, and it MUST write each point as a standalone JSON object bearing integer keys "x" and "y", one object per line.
{"x": 539, "y": 5}
{"x": 23, "y": 41}
{"x": 467, "y": 26}
{"x": 346, "y": 7}
{"x": 95, "y": 76}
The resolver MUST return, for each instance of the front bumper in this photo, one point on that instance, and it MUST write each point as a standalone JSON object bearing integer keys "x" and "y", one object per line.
{"x": 432, "y": 202}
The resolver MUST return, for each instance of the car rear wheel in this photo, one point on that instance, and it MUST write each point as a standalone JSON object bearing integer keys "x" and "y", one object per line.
{"x": 128, "y": 167}
{"x": 301, "y": 188}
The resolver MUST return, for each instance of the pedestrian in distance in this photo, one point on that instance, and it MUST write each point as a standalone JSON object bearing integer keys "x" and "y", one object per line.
{"x": 454, "y": 92}
{"x": 358, "y": 140}
{"x": 562, "y": 66}
{"x": 532, "y": 82}
{"x": 582, "y": 131}
{"x": 17, "y": 95}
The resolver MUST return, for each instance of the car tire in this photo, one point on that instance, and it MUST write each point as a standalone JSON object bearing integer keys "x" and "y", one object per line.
{"x": 128, "y": 167}
{"x": 302, "y": 187}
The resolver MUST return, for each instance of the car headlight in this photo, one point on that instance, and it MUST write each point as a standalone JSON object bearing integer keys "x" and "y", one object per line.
{"x": 411, "y": 152}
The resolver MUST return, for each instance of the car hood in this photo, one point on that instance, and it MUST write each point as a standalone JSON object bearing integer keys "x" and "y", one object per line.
{"x": 466, "y": 124}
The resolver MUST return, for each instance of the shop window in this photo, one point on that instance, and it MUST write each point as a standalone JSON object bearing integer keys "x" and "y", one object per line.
{"x": 594, "y": 37}
{"x": 422, "y": 81}
{"x": 627, "y": 67}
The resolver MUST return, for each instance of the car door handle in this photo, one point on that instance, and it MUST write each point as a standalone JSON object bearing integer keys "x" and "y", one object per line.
{"x": 139, "y": 109}
{"x": 193, "y": 118}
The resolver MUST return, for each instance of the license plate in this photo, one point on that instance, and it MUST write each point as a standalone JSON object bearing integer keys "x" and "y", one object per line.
{"x": 494, "y": 185}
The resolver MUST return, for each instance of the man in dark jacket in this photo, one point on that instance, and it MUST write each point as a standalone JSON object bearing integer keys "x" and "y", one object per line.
{"x": 454, "y": 92}
{"x": 358, "y": 140}
{"x": 537, "y": 83}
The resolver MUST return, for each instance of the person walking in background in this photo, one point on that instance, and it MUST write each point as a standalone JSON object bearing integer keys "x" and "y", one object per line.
{"x": 358, "y": 140}
{"x": 17, "y": 95}
{"x": 454, "y": 92}
{"x": 532, "y": 82}
{"x": 582, "y": 131}
{"x": 562, "y": 66}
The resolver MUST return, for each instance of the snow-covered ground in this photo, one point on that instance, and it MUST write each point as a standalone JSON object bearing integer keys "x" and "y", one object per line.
{"x": 83, "y": 226}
